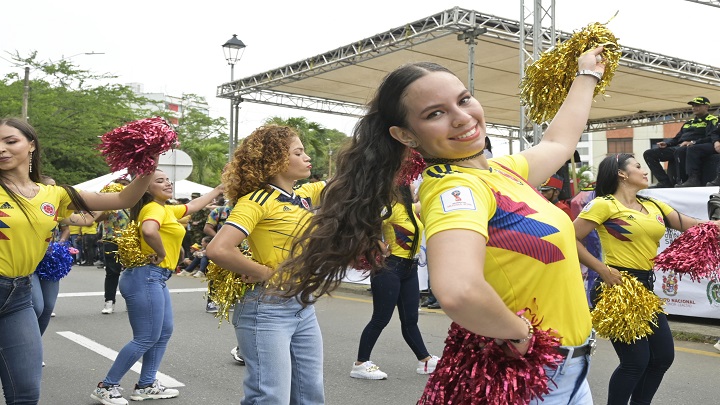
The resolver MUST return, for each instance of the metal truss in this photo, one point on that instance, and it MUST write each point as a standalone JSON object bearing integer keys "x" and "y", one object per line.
{"x": 540, "y": 37}
{"x": 714, "y": 3}
{"x": 640, "y": 120}
{"x": 281, "y": 99}
{"x": 448, "y": 22}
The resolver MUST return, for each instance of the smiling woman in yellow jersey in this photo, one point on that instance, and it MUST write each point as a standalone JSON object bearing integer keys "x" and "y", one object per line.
{"x": 29, "y": 210}
{"x": 146, "y": 294}
{"x": 278, "y": 337}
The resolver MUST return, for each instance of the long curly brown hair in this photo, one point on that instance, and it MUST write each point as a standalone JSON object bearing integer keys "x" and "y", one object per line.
{"x": 262, "y": 155}
{"x": 349, "y": 224}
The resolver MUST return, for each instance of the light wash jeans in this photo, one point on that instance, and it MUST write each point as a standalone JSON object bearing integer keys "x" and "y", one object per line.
{"x": 44, "y": 297}
{"x": 151, "y": 319}
{"x": 282, "y": 346}
{"x": 20, "y": 344}
{"x": 568, "y": 383}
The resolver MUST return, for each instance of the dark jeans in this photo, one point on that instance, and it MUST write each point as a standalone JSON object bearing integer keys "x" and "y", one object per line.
{"x": 20, "y": 344}
{"x": 395, "y": 285}
{"x": 201, "y": 261}
{"x": 696, "y": 156}
{"x": 654, "y": 156}
{"x": 644, "y": 362}
{"x": 112, "y": 270}
{"x": 89, "y": 248}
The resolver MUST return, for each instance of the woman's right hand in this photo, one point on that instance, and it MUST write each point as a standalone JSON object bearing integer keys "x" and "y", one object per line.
{"x": 156, "y": 259}
{"x": 592, "y": 60}
{"x": 612, "y": 277}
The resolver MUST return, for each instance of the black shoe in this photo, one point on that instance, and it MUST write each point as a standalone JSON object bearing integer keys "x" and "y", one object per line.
{"x": 424, "y": 301}
{"x": 662, "y": 184}
{"x": 714, "y": 183}
{"x": 692, "y": 181}
{"x": 434, "y": 305}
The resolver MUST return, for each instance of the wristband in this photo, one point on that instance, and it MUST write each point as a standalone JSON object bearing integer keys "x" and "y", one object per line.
{"x": 526, "y": 338}
{"x": 592, "y": 73}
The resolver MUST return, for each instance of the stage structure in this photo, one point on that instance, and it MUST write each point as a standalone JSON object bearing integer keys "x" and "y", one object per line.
{"x": 490, "y": 53}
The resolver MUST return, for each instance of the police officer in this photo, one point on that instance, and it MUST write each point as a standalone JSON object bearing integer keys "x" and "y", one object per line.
{"x": 692, "y": 132}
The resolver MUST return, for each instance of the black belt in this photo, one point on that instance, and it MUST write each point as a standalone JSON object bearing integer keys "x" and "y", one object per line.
{"x": 579, "y": 351}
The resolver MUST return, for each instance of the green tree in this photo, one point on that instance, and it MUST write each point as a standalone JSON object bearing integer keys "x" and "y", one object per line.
{"x": 321, "y": 144}
{"x": 70, "y": 108}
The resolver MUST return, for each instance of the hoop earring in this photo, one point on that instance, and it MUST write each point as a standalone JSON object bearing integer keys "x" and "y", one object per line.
{"x": 30, "y": 162}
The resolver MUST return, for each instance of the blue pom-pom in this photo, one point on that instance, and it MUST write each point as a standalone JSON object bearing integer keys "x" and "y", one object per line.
{"x": 57, "y": 262}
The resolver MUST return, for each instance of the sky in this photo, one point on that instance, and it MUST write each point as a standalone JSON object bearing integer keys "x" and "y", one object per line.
{"x": 175, "y": 47}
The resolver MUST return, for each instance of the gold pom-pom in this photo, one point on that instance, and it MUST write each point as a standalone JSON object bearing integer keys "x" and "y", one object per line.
{"x": 625, "y": 312}
{"x": 547, "y": 80}
{"x": 112, "y": 188}
{"x": 128, "y": 241}
{"x": 227, "y": 287}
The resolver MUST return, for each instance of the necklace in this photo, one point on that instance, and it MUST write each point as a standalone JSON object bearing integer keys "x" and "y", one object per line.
{"x": 19, "y": 190}
{"x": 439, "y": 161}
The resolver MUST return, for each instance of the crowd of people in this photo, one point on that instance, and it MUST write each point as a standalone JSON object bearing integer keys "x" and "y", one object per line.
{"x": 501, "y": 260}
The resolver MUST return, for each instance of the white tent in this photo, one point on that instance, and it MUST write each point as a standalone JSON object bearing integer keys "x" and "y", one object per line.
{"x": 182, "y": 189}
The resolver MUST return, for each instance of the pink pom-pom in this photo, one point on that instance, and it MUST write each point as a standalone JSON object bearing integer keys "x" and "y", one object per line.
{"x": 695, "y": 253}
{"x": 135, "y": 145}
{"x": 476, "y": 369}
{"x": 73, "y": 251}
{"x": 411, "y": 168}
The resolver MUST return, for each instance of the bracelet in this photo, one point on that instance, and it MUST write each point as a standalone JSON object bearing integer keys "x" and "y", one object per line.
{"x": 592, "y": 73}
{"x": 531, "y": 330}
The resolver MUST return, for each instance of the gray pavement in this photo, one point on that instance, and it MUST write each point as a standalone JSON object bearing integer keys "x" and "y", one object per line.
{"x": 80, "y": 342}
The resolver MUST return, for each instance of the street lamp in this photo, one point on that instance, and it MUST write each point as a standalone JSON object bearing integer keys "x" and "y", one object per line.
{"x": 26, "y": 81}
{"x": 233, "y": 50}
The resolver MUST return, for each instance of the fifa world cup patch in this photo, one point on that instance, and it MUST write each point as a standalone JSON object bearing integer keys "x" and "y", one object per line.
{"x": 458, "y": 198}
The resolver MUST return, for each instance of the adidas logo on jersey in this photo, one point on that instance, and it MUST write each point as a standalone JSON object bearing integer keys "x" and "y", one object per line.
{"x": 286, "y": 208}
{"x": 6, "y": 206}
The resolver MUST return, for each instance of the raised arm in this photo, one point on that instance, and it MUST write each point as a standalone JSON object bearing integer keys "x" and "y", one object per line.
{"x": 115, "y": 201}
{"x": 200, "y": 202}
{"x": 561, "y": 137}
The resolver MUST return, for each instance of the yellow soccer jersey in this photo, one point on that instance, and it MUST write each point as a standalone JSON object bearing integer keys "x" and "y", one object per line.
{"x": 399, "y": 232}
{"x": 531, "y": 259}
{"x": 629, "y": 238}
{"x": 272, "y": 219}
{"x": 22, "y": 243}
{"x": 171, "y": 231}
{"x": 89, "y": 230}
{"x": 75, "y": 230}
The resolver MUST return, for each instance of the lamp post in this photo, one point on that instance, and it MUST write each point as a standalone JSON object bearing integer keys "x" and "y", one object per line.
{"x": 26, "y": 82}
{"x": 233, "y": 50}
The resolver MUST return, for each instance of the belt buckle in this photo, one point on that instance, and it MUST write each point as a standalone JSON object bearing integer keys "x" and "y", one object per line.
{"x": 592, "y": 342}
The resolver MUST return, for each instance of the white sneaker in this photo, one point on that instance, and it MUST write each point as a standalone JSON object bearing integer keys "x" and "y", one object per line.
{"x": 717, "y": 345}
{"x": 155, "y": 391}
{"x": 52, "y": 315}
{"x": 427, "y": 367}
{"x": 367, "y": 371}
{"x": 110, "y": 395}
{"x": 108, "y": 308}
{"x": 199, "y": 274}
{"x": 211, "y": 308}
{"x": 185, "y": 273}
{"x": 236, "y": 355}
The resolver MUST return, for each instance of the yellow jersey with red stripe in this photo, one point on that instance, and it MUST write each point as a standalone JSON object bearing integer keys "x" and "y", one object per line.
{"x": 629, "y": 238}
{"x": 531, "y": 259}
{"x": 273, "y": 218}
{"x": 171, "y": 231}
{"x": 399, "y": 232}
{"x": 24, "y": 240}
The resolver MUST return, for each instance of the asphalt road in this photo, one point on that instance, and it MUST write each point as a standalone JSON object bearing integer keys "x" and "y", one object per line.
{"x": 198, "y": 358}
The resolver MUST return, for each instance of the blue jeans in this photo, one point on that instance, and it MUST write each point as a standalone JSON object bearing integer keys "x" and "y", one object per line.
{"x": 568, "y": 383}
{"x": 282, "y": 346}
{"x": 202, "y": 261}
{"x": 395, "y": 285}
{"x": 151, "y": 319}
{"x": 44, "y": 296}
{"x": 20, "y": 344}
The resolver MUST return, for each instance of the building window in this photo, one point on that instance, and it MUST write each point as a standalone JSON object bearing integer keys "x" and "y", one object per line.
{"x": 174, "y": 120}
{"x": 620, "y": 145}
{"x": 172, "y": 107}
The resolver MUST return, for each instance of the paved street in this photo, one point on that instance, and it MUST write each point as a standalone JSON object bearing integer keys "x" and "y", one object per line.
{"x": 198, "y": 357}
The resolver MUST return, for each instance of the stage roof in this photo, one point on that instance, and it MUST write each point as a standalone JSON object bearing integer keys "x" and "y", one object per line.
{"x": 648, "y": 87}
